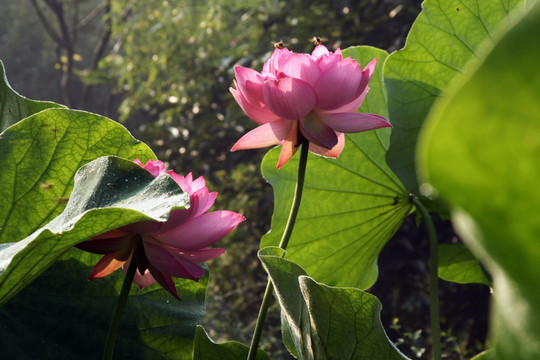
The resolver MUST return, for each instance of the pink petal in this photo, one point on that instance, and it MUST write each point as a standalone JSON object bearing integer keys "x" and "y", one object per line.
{"x": 154, "y": 167}
{"x": 317, "y": 131}
{"x": 165, "y": 281}
{"x": 201, "y": 231}
{"x": 265, "y": 135}
{"x": 166, "y": 263}
{"x": 300, "y": 66}
{"x": 354, "y": 122}
{"x": 367, "y": 73}
{"x": 106, "y": 266}
{"x": 250, "y": 83}
{"x": 319, "y": 51}
{"x": 259, "y": 113}
{"x": 353, "y": 106}
{"x": 334, "y": 152}
{"x": 326, "y": 62}
{"x": 339, "y": 85}
{"x": 142, "y": 280}
{"x": 279, "y": 56}
{"x": 200, "y": 256}
{"x": 290, "y": 144}
{"x": 289, "y": 98}
{"x": 201, "y": 201}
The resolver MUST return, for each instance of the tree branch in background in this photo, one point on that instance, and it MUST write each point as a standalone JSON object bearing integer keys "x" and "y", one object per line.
{"x": 101, "y": 46}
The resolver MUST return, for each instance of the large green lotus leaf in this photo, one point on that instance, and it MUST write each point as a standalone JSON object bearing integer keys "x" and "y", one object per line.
{"x": 351, "y": 205}
{"x": 444, "y": 37}
{"x": 40, "y": 156}
{"x": 62, "y": 315}
{"x": 481, "y": 152}
{"x": 326, "y": 322}
{"x": 109, "y": 192}
{"x": 14, "y": 107}
{"x": 204, "y": 348}
{"x": 458, "y": 264}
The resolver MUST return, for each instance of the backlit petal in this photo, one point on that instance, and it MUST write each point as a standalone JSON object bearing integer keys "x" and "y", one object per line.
{"x": 142, "y": 280}
{"x": 367, "y": 73}
{"x": 259, "y": 113}
{"x": 279, "y": 56}
{"x": 250, "y": 83}
{"x": 201, "y": 231}
{"x": 332, "y": 153}
{"x": 166, "y": 263}
{"x": 315, "y": 130}
{"x": 165, "y": 281}
{"x": 289, "y": 98}
{"x": 300, "y": 66}
{"x": 106, "y": 266}
{"x": 319, "y": 51}
{"x": 353, "y": 106}
{"x": 354, "y": 122}
{"x": 338, "y": 85}
{"x": 265, "y": 135}
{"x": 290, "y": 144}
{"x": 200, "y": 256}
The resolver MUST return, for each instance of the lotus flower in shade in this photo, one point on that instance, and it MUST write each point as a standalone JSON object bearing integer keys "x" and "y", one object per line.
{"x": 169, "y": 249}
{"x": 303, "y": 96}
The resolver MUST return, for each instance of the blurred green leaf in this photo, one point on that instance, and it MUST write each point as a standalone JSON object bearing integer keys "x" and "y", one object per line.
{"x": 485, "y": 355}
{"x": 351, "y": 205}
{"x": 40, "y": 156}
{"x": 14, "y": 107}
{"x": 458, "y": 264}
{"x": 204, "y": 348}
{"x": 326, "y": 322}
{"x": 480, "y": 151}
{"x": 62, "y": 315}
{"x": 109, "y": 193}
{"x": 444, "y": 37}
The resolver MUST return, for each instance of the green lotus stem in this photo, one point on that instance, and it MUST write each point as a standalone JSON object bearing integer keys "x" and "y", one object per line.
{"x": 433, "y": 279}
{"x": 120, "y": 305}
{"x": 282, "y": 244}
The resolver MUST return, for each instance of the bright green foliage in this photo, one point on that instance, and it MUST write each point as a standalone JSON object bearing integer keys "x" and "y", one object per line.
{"x": 40, "y": 156}
{"x": 109, "y": 193}
{"x": 14, "y": 107}
{"x": 481, "y": 152}
{"x": 323, "y": 322}
{"x": 458, "y": 264}
{"x": 444, "y": 37}
{"x": 351, "y": 205}
{"x": 205, "y": 348}
{"x": 61, "y": 315}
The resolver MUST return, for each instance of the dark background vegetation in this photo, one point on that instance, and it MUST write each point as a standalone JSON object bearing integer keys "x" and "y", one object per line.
{"x": 163, "y": 69}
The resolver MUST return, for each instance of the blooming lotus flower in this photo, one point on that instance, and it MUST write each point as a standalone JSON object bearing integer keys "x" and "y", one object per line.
{"x": 173, "y": 248}
{"x": 303, "y": 96}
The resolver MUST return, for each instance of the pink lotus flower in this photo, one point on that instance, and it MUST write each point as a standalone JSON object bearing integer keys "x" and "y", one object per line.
{"x": 302, "y": 96}
{"x": 173, "y": 248}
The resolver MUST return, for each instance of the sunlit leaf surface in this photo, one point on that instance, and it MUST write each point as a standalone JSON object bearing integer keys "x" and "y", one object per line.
{"x": 445, "y": 36}
{"x": 326, "y": 322}
{"x": 481, "y": 152}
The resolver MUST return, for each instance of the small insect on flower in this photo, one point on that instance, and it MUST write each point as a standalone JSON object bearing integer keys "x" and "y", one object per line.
{"x": 318, "y": 40}
{"x": 279, "y": 45}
